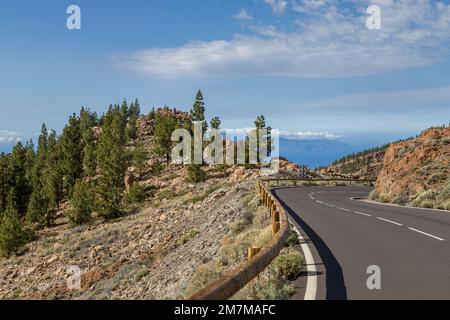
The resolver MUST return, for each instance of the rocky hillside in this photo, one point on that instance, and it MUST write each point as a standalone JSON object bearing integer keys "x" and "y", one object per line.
{"x": 159, "y": 248}
{"x": 366, "y": 164}
{"x": 417, "y": 171}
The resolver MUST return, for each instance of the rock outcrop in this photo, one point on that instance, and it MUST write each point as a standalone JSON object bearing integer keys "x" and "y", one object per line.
{"x": 417, "y": 171}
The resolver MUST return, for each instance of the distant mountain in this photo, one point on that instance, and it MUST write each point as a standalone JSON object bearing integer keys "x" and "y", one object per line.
{"x": 314, "y": 152}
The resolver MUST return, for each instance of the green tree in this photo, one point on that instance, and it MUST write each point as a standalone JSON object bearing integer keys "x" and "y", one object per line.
{"x": 20, "y": 186}
{"x": 12, "y": 234}
{"x": 166, "y": 123}
{"x": 112, "y": 163}
{"x": 198, "y": 111}
{"x": 4, "y": 182}
{"x": 30, "y": 156}
{"x": 88, "y": 120}
{"x": 71, "y": 149}
{"x": 53, "y": 173}
{"x": 260, "y": 124}
{"x": 215, "y": 123}
{"x": 139, "y": 158}
{"x": 82, "y": 204}
{"x": 39, "y": 202}
{"x": 194, "y": 171}
{"x": 133, "y": 115}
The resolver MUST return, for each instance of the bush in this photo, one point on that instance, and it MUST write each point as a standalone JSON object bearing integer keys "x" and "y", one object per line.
{"x": 157, "y": 167}
{"x": 288, "y": 264}
{"x": 82, "y": 203}
{"x": 141, "y": 274}
{"x": 135, "y": 194}
{"x": 195, "y": 174}
{"x": 268, "y": 286}
{"x": 204, "y": 275}
{"x": 426, "y": 199}
{"x": 292, "y": 240}
{"x": 12, "y": 233}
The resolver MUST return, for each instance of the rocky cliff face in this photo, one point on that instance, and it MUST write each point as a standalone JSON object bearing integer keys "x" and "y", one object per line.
{"x": 417, "y": 171}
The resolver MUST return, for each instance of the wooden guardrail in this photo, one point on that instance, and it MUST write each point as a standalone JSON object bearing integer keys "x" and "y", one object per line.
{"x": 259, "y": 258}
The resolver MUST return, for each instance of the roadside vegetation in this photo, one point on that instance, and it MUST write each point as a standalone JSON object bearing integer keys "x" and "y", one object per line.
{"x": 252, "y": 229}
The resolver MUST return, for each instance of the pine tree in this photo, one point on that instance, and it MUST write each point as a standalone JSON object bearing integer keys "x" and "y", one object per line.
{"x": 71, "y": 149}
{"x": 12, "y": 234}
{"x": 139, "y": 157}
{"x": 260, "y": 124}
{"x": 29, "y": 159}
{"x": 53, "y": 173}
{"x": 133, "y": 114}
{"x": 82, "y": 204}
{"x": 215, "y": 123}
{"x": 4, "y": 182}
{"x": 111, "y": 159}
{"x": 194, "y": 171}
{"x": 20, "y": 186}
{"x": 166, "y": 123}
{"x": 198, "y": 111}
{"x": 88, "y": 120}
{"x": 39, "y": 202}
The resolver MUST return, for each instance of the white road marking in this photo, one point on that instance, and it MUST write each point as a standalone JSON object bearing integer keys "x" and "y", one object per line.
{"x": 362, "y": 213}
{"x": 311, "y": 280}
{"x": 343, "y": 209}
{"x": 390, "y": 221}
{"x": 330, "y": 205}
{"x": 426, "y": 234}
{"x": 311, "y": 196}
{"x": 319, "y": 201}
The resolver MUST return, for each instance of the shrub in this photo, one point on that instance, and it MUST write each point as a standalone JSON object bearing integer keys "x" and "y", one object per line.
{"x": 288, "y": 264}
{"x": 82, "y": 203}
{"x": 12, "y": 233}
{"x": 141, "y": 274}
{"x": 204, "y": 275}
{"x": 157, "y": 167}
{"x": 188, "y": 236}
{"x": 135, "y": 194}
{"x": 384, "y": 198}
{"x": 292, "y": 240}
{"x": 195, "y": 174}
{"x": 426, "y": 199}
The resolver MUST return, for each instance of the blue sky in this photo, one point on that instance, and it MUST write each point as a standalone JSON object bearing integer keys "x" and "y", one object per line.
{"x": 311, "y": 66}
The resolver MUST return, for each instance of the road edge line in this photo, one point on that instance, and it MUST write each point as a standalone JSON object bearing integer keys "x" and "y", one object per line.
{"x": 311, "y": 280}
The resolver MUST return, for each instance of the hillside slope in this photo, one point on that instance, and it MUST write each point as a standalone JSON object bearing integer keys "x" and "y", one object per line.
{"x": 366, "y": 164}
{"x": 417, "y": 171}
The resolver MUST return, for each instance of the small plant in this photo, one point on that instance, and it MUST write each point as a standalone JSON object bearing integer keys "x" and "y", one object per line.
{"x": 288, "y": 264}
{"x": 204, "y": 275}
{"x": 141, "y": 274}
{"x": 292, "y": 240}
{"x": 157, "y": 167}
{"x": 135, "y": 194}
{"x": 12, "y": 234}
{"x": 185, "y": 238}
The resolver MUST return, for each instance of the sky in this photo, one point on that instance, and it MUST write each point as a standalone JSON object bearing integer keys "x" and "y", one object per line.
{"x": 312, "y": 67}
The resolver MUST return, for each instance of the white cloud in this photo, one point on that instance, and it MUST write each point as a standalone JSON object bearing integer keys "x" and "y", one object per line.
{"x": 243, "y": 15}
{"x": 9, "y": 136}
{"x": 278, "y": 6}
{"x": 291, "y": 135}
{"x": 329, "y": 42}
{"x": 306, "y": 135}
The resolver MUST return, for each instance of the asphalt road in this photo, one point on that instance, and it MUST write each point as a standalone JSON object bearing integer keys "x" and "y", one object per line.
{"x": 410, "y": 246}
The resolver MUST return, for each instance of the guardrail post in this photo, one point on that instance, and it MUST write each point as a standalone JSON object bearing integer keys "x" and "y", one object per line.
{"x": 253, "y": 251}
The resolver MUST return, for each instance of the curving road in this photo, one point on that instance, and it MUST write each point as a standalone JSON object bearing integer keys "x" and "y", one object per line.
{"x": 346, "y": 236}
